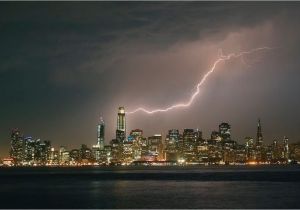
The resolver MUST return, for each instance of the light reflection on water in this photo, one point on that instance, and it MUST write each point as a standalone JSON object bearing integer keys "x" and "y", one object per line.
{"x": 96, "y": 191}
{"x": 194, "y": 194}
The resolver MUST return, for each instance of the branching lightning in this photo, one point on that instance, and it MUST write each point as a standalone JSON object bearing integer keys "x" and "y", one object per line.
{"x": 202, "y": 81}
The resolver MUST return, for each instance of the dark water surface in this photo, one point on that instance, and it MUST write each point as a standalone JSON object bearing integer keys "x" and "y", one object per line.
{"x": 151, "y": 187}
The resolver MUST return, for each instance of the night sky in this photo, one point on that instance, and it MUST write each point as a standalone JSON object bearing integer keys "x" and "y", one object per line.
{"x": 65, "y": 64}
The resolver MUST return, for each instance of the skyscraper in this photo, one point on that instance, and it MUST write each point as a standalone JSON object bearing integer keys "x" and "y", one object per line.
{"x": 188, "y": 137}
{"x": 285, "y": 148}
{"x": 121, "y": 125}
{"x": 100, "y": 134}
{"x": 17, "y": 146}
{"x": 155, "y": 146}
{"x": 224, "y": 130}
{"x": 172, "y": 138}
{"x": 259, "y": 136}
{"x": 29, "y": 150}
{"x": 172, "y": 145}
{"x": 42, "y": 151}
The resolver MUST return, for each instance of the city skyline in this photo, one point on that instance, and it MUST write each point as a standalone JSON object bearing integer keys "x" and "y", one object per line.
{"x": 63, "y": 67}
{"x": 187, "y": 147}
{"x": 223, "y": 133}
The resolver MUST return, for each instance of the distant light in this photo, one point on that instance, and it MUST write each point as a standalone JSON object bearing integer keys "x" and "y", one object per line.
{"x": 181, "y": 161}
{"x": 252, "y": 163}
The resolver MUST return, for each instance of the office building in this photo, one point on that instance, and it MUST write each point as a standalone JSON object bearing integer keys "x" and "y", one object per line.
{"x": 224, "y": 131}
{"x": 259, "y": 136}
{"x": 17, "y": 144}
{"x": 121, "y": 125}
{"x": 100, "y": 134}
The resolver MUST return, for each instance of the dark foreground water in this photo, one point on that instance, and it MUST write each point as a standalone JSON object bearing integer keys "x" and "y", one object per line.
{"x": 151, "y": 187}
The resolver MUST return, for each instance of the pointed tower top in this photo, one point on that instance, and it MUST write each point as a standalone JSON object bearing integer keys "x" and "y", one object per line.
{"x": 101, "y": 120}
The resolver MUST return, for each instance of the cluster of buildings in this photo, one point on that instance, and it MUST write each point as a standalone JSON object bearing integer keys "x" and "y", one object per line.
{"x": 176, "y": 148}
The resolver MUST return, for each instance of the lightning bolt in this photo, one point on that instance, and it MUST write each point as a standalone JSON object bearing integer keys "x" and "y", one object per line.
{"x": 202, "y": 81}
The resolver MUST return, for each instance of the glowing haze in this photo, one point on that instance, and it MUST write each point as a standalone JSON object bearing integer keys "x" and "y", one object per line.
{"x": 212, "y": 69}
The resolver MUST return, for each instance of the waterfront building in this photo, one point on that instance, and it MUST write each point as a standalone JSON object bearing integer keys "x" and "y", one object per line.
{"x": 172, "y": 145}
{"x": 74, "y": 156}
{"x": 105, "y": 155}
{"x": 172, "y": 137}
{"x": 96, "y": 152}
{"x": 62, "y": 149}
{"x": 295, "y": 152}
{"x": 250, "y": 149}
{"x": 190, "y": 139}
{"x": 8, "y": 162}
{"x": 42, "y": 152}
{"x": 16, "y": 146}
{"x": 127, "y": 152}
{"x": 137, "y": 143}
{"x": 116, "y": 151}
{"x": 29, "y": 150}
{"x": 240, "y": 154}
{"x": 54, "y": 156}
{"x": 155, "y": 147}
{"x": 65, "y": 159}
{"x": 269, "y": 154}
{"x": 85, "y": 154}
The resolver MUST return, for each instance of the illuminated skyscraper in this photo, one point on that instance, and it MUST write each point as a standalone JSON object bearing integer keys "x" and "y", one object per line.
{"x": 17, "y": 146}
{"x": 42, "y": 151}
{"x": 285, "y": 148}
{"x": 172, "y": 145}
{"x": 188, "y": 137}
{"x": 29, "y": 150}
{"x": 259, "y": 136}
{"x": 224, "y": 130}
{"x": 191, "y": 138}
{"x": 172, "y": 139}
{"x": 121, "y": 125}
{"x": 276, "y": 153}
{"x": 100, "y": 134}
{"x": 250, "y": 150}
{"x": 155, "y": 146}
{"x": 85, "y": 153}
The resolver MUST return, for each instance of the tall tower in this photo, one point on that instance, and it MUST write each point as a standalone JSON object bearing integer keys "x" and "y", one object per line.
{"x": 121, "y": 125}
{"x": 285, "y": 148}
{"x": 100, "y": 134}
{"x": 259, "y": 136}
{"x": 17, "y": 146}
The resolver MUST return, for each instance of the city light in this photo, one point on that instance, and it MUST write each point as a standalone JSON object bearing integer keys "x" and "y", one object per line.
{"x": 176, "y": 148}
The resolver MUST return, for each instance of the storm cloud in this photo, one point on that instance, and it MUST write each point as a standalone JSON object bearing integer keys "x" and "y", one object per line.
{"x": 65, "y": 64}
